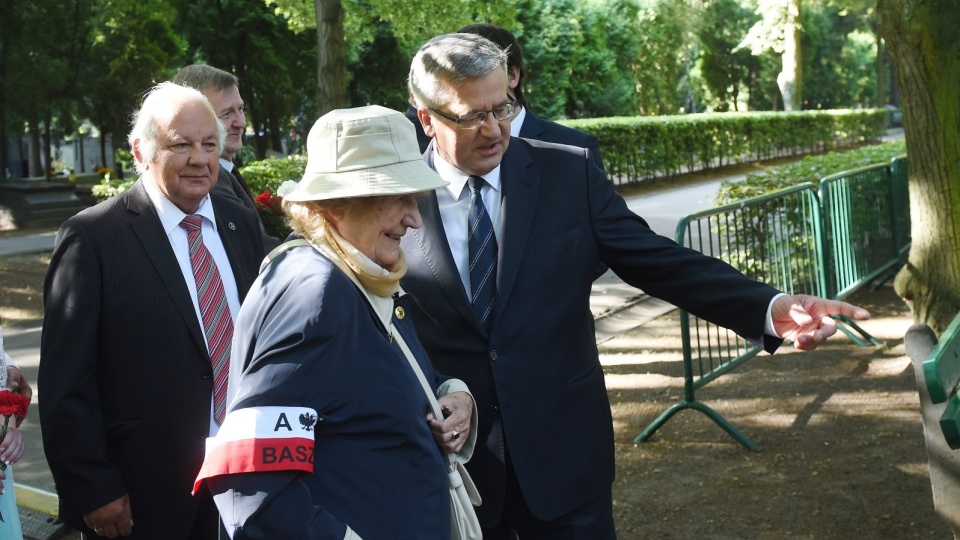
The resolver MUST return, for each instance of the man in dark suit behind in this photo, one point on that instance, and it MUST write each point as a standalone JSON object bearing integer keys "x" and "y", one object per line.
{"x": 526, "y": 124}
{"x": 544, "y": 462}
{"x": 223, "y": 91}
{"x": 125, "y": 367}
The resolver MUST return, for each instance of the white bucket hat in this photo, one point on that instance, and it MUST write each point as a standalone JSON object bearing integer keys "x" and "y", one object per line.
{"x": 363, "y": 152}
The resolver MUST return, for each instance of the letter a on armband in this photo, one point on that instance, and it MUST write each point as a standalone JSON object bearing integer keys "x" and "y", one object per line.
{"x": 261, "y": 439}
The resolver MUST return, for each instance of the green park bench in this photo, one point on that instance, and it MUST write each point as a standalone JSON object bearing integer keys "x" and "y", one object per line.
{"x": 936, "y": 363}
{"x": 941, "y": 374}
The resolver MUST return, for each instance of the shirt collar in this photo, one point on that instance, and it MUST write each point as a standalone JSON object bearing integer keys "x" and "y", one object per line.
{"x": 171, "y": 216}
{"x": 516, "y": 123}
{"x": 226, "y": 164}
{"x": 458, "y": 179}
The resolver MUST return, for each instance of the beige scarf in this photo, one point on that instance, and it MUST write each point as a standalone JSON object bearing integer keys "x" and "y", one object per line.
{"x": 376, "y": 281}
{"x": 375, "y": 278}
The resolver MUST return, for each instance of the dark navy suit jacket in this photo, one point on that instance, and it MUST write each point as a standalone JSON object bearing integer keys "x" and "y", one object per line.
{"x": 537, "y": 128}
{"x": 537, "y": 372}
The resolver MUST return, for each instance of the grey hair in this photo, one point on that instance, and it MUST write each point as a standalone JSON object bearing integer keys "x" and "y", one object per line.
{"x": 204, "y": 77}
{"x": 446, "y": 61}
{"x": 145, "y": 127}
{"x": 305, "y": 219}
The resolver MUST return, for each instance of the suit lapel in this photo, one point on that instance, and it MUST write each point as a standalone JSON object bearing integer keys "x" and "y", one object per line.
{"x": 432, "y": 240}
{"x": 155, "y": 243}
{"x": 230, "y": 236}
{"x": 520, "y": 182}
{"x": 435, "y": 249}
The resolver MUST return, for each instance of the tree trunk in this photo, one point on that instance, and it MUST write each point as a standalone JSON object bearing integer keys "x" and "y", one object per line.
{"x": 47, "y": 154}
{"x": 882, "y": 73}
{"x": 4, "y": 157}
{"x": 790, "y": 79}
{"x": 103, "y": 148}
{"x": 36, "y": 168}
{"x": 331, "y": 57}
{"x": 923, "y": 40}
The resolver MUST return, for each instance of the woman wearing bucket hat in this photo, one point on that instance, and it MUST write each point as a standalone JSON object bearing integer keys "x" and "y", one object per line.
{"x": 334, "y": 427}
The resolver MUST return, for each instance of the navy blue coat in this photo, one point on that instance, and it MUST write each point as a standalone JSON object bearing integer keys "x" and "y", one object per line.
{"x": 307, "y": 337}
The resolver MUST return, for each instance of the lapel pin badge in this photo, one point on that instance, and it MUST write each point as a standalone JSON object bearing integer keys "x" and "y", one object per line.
{"x": 231, "y": 226}
{"x": 399, "y": 312}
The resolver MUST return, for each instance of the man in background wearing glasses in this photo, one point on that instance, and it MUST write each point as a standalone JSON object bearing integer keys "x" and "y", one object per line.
{"x": 502, "y": 270}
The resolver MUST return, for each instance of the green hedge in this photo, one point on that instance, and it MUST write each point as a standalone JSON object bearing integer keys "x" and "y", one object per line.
{"x": 809, "y": 169}
{"x": 639, "y": 148}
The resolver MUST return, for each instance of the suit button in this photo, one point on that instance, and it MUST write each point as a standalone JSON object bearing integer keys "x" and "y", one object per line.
{"x": 495, "y": 410}
{"x": 493, "y": 355}
{"x": 207, "y": 374}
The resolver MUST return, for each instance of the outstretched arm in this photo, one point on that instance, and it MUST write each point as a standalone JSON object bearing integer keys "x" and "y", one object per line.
{"x": 806, "y": 320}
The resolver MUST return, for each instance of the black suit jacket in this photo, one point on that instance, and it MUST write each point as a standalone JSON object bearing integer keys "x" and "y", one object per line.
{"x": 535, "y": 127}
{"x": 422, "y": 140}
{"x": 537, "y": 372}
{"x": 124, "y": 369}
{"x": 230, "y": 188}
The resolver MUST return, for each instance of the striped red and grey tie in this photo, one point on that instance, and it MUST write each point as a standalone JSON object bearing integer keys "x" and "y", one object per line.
{"x": 217, "y": 322}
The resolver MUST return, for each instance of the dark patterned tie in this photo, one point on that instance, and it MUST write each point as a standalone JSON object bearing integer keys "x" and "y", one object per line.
{"x": 217, "y": 323}
{"x": 482, "y": 246}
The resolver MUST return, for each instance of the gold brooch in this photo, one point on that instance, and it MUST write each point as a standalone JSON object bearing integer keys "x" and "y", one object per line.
{"x": 399, "y": 312}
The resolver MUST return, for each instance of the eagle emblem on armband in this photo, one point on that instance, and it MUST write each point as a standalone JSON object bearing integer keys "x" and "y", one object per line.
{"x": 308, "y": 420}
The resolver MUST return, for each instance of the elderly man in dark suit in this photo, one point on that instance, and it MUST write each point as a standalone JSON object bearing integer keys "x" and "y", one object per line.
{"x": 502, "y": 269}
{"x": 139, "y": 301}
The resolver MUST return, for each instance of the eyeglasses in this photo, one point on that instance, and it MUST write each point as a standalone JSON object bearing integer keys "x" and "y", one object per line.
{"x": 476, "y": 119}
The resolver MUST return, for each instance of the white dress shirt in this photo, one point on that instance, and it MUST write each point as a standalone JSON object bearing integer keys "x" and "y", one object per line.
{"x": 516, "y": 123}
{"x": 170, "y": 218}
{"x": 454, "y": 202}
{"x": 227, "y": 165}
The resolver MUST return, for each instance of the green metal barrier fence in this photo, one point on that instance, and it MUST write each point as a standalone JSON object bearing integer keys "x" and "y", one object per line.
{"x": 773, "y": 238}
{"x": 803, "y": 240}
{"x": 866, "y": 227}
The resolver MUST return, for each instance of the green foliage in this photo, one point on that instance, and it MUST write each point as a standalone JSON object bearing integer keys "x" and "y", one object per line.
{"x": 270, "y": 173}
{"x": 558, "y": 36}
{"x": 727, "y": 72}
{"x": 586, "y": 58}
{"x": 413, "y": 23}
{"x": 640, "y": 148}
{"x": 838, "y": 61}
{"x": 276, "y": 67}
{"x": 133, "y": 46}
{"x": 809, "y": 169}
{"x": 376, "y": 75}
{"x": 111, "y": 187}
{"x": 265, "y": 178}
